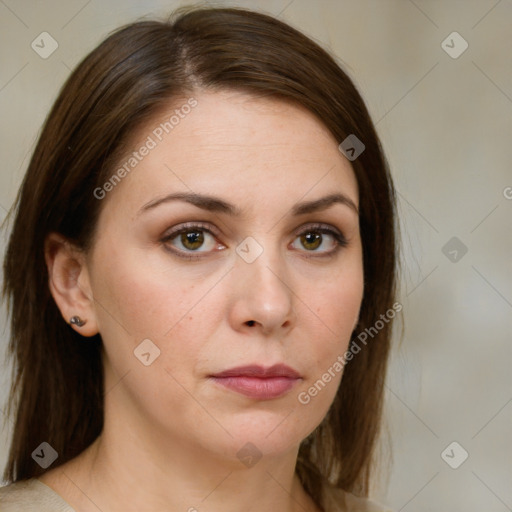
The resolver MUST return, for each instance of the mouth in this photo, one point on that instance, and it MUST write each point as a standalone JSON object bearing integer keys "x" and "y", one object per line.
{"x": 259, "y": 382}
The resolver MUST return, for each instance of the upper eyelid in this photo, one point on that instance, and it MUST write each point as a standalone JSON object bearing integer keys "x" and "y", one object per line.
{"x": 317, "y": 225}
{"x": 201, "y": 226}
{"x": 206, "y": 226}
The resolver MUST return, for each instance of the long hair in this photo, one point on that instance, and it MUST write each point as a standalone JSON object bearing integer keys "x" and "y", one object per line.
{"x": 57, "y": 387}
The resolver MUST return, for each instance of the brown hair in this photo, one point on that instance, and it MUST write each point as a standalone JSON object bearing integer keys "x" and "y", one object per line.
{"x": 58, "y": 381}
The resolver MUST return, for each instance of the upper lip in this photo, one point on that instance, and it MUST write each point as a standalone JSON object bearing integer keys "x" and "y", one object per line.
{"x": 262, "y": 372}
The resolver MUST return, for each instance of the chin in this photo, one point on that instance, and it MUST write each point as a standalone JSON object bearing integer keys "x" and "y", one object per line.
{"x": 268, "y": 433}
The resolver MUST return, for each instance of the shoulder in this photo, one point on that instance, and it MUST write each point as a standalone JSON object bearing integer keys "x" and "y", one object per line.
{"x": 337, "y": 500}
{"x": 31, "y": 496}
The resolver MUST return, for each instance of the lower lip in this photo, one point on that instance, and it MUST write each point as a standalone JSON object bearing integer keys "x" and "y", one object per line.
{"x": 258, "y": 388}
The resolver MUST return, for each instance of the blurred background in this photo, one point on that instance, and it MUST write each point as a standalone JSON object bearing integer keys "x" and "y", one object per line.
{"x": 437, "y": 78}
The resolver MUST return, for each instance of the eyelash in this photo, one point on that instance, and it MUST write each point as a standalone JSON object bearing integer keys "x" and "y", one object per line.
{"x": 339, "y": 240}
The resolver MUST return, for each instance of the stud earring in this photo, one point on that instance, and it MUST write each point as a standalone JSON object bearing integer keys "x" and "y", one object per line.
{"x": 76, "y": 320}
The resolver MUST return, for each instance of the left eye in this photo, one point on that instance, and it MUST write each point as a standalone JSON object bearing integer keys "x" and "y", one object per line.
{"x": 320, "y": 240}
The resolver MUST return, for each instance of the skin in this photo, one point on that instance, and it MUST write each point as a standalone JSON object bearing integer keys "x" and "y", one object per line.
{"x": 171, "y": 435}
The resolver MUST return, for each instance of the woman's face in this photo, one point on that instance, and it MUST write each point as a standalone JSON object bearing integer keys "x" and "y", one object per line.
{"x": 232, "y": 242}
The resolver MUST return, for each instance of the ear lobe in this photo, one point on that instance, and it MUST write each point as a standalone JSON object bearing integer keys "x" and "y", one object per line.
{"x": 68, "y": 280}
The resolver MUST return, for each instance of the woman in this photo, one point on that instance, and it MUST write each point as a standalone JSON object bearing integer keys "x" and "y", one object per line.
{"x": 202, "y": 243}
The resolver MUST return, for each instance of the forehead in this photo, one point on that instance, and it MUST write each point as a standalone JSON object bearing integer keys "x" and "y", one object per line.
{"x": 231, "y": 143}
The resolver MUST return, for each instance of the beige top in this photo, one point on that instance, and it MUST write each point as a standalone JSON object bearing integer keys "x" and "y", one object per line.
{"x": 34, "y": 496}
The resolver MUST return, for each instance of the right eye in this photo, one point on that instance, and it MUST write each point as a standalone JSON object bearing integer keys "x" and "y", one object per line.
{"x": 191, "y": 238}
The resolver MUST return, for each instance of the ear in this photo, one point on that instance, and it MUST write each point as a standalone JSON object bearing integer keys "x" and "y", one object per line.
{"x": 69, "y": 282}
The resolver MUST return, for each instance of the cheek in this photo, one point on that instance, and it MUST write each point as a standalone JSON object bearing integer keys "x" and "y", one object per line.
{"x": 336, "y": 309}
{"x": 139, "y": 298}
{"x": 337, "y": 302}
{"x": 337, "y": 306}
{"x": 141, "y": 294}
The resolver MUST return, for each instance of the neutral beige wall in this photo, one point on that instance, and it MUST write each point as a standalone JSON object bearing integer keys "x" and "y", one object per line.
{"x": 446, "y": 124}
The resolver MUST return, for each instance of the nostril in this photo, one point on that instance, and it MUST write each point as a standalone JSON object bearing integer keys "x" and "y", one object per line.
{"x": 250, "y": 323}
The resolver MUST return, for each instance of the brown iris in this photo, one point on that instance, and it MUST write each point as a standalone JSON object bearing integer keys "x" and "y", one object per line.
{"x": 192, "y": 239}
{"x": 311, "y": 240}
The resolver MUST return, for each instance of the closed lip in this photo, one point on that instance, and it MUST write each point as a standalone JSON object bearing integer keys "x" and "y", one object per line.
{"x": 258, "y": 382}
{"x": 261, "y": 372}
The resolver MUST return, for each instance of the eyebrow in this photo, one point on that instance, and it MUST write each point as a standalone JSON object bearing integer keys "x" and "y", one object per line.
{"x": 215, "y": 204}
{"x": 323, "y": 203}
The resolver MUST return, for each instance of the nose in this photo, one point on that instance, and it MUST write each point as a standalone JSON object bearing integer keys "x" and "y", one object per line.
{"x": 262, "y": 297}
